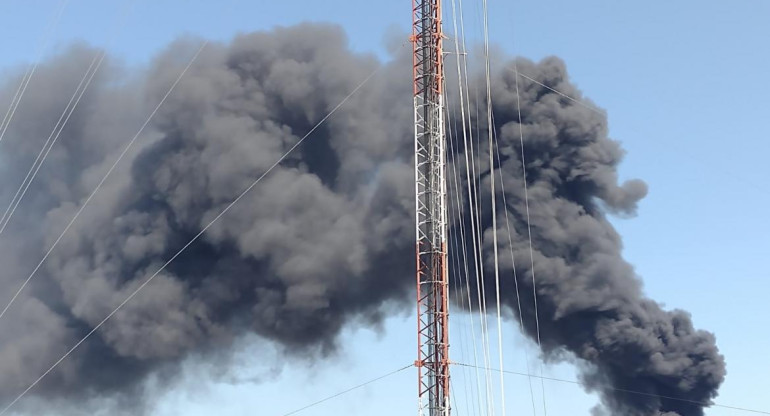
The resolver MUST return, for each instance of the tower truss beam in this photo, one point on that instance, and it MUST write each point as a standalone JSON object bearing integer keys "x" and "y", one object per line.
{"x": 431, "y": 209}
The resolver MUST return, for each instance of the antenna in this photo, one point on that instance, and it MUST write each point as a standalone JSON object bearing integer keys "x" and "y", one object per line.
{"x": 431, "y": 210}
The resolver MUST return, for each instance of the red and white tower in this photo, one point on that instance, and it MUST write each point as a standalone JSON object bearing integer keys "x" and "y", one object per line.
{"x": 431, "y": 220}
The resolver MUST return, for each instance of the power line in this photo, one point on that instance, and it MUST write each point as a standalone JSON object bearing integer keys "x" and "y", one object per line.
{"x": 25, "y": 80}
{"x": 474, "y": 207}
{"x": 462, "y": 87}
{"x": 459, "y": 243}
{"x": 575, "y": 100}
{"x": 366, "y": 383}
{"x": 493, "y": 201}
{"x": 109, "y": 171}
{"x": 640, "y": 393}
{"x": 104, "y": 179}
{"x": 515, "y": 277}
{"x": 69, "y": 109}
{"x": 529, "y": 228}
{"x": 194, "y": 239}
{"x": 604, "y": 113}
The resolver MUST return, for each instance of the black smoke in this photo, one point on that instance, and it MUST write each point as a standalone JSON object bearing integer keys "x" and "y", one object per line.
{"x": 590, "y": 302}
{"x": 326, "y": 239}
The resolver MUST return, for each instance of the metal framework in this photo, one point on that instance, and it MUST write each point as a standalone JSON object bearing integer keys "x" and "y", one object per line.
{"x": 431, "y": 206}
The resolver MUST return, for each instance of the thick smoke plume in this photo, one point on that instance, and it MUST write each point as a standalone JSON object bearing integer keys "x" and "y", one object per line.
{"x": 590, "y": 302}
{"x": 325, "y": 240}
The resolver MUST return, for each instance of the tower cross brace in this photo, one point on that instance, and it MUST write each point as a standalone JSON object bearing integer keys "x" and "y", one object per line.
{"x": 431, "y": 209}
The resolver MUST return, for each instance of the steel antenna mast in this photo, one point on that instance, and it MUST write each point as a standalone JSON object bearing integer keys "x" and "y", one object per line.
{"x": 431, "y": 209}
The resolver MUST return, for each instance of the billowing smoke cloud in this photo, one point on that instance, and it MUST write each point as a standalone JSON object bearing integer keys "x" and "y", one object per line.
{"x": 590, "y": 302}
{"x": 325, "y": 239}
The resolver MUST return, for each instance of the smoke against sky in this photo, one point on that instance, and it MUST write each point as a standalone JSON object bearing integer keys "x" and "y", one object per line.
{"x": 590, "y": 301}
{"x": 326, "y": 238}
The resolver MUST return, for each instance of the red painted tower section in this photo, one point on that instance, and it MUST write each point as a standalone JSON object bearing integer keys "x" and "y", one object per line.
{"x": 431, "y": 209}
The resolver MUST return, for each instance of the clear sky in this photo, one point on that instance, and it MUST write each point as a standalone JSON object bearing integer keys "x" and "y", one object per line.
{"x": 685, "y": 85}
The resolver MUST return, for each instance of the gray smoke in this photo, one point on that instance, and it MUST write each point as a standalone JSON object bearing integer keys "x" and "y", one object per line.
{"x": 324, "y": 240}
{"x": 590, "y": 302}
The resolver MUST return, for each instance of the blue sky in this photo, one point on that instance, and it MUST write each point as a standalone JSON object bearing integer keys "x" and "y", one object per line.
{"x": 685, "y": 86}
